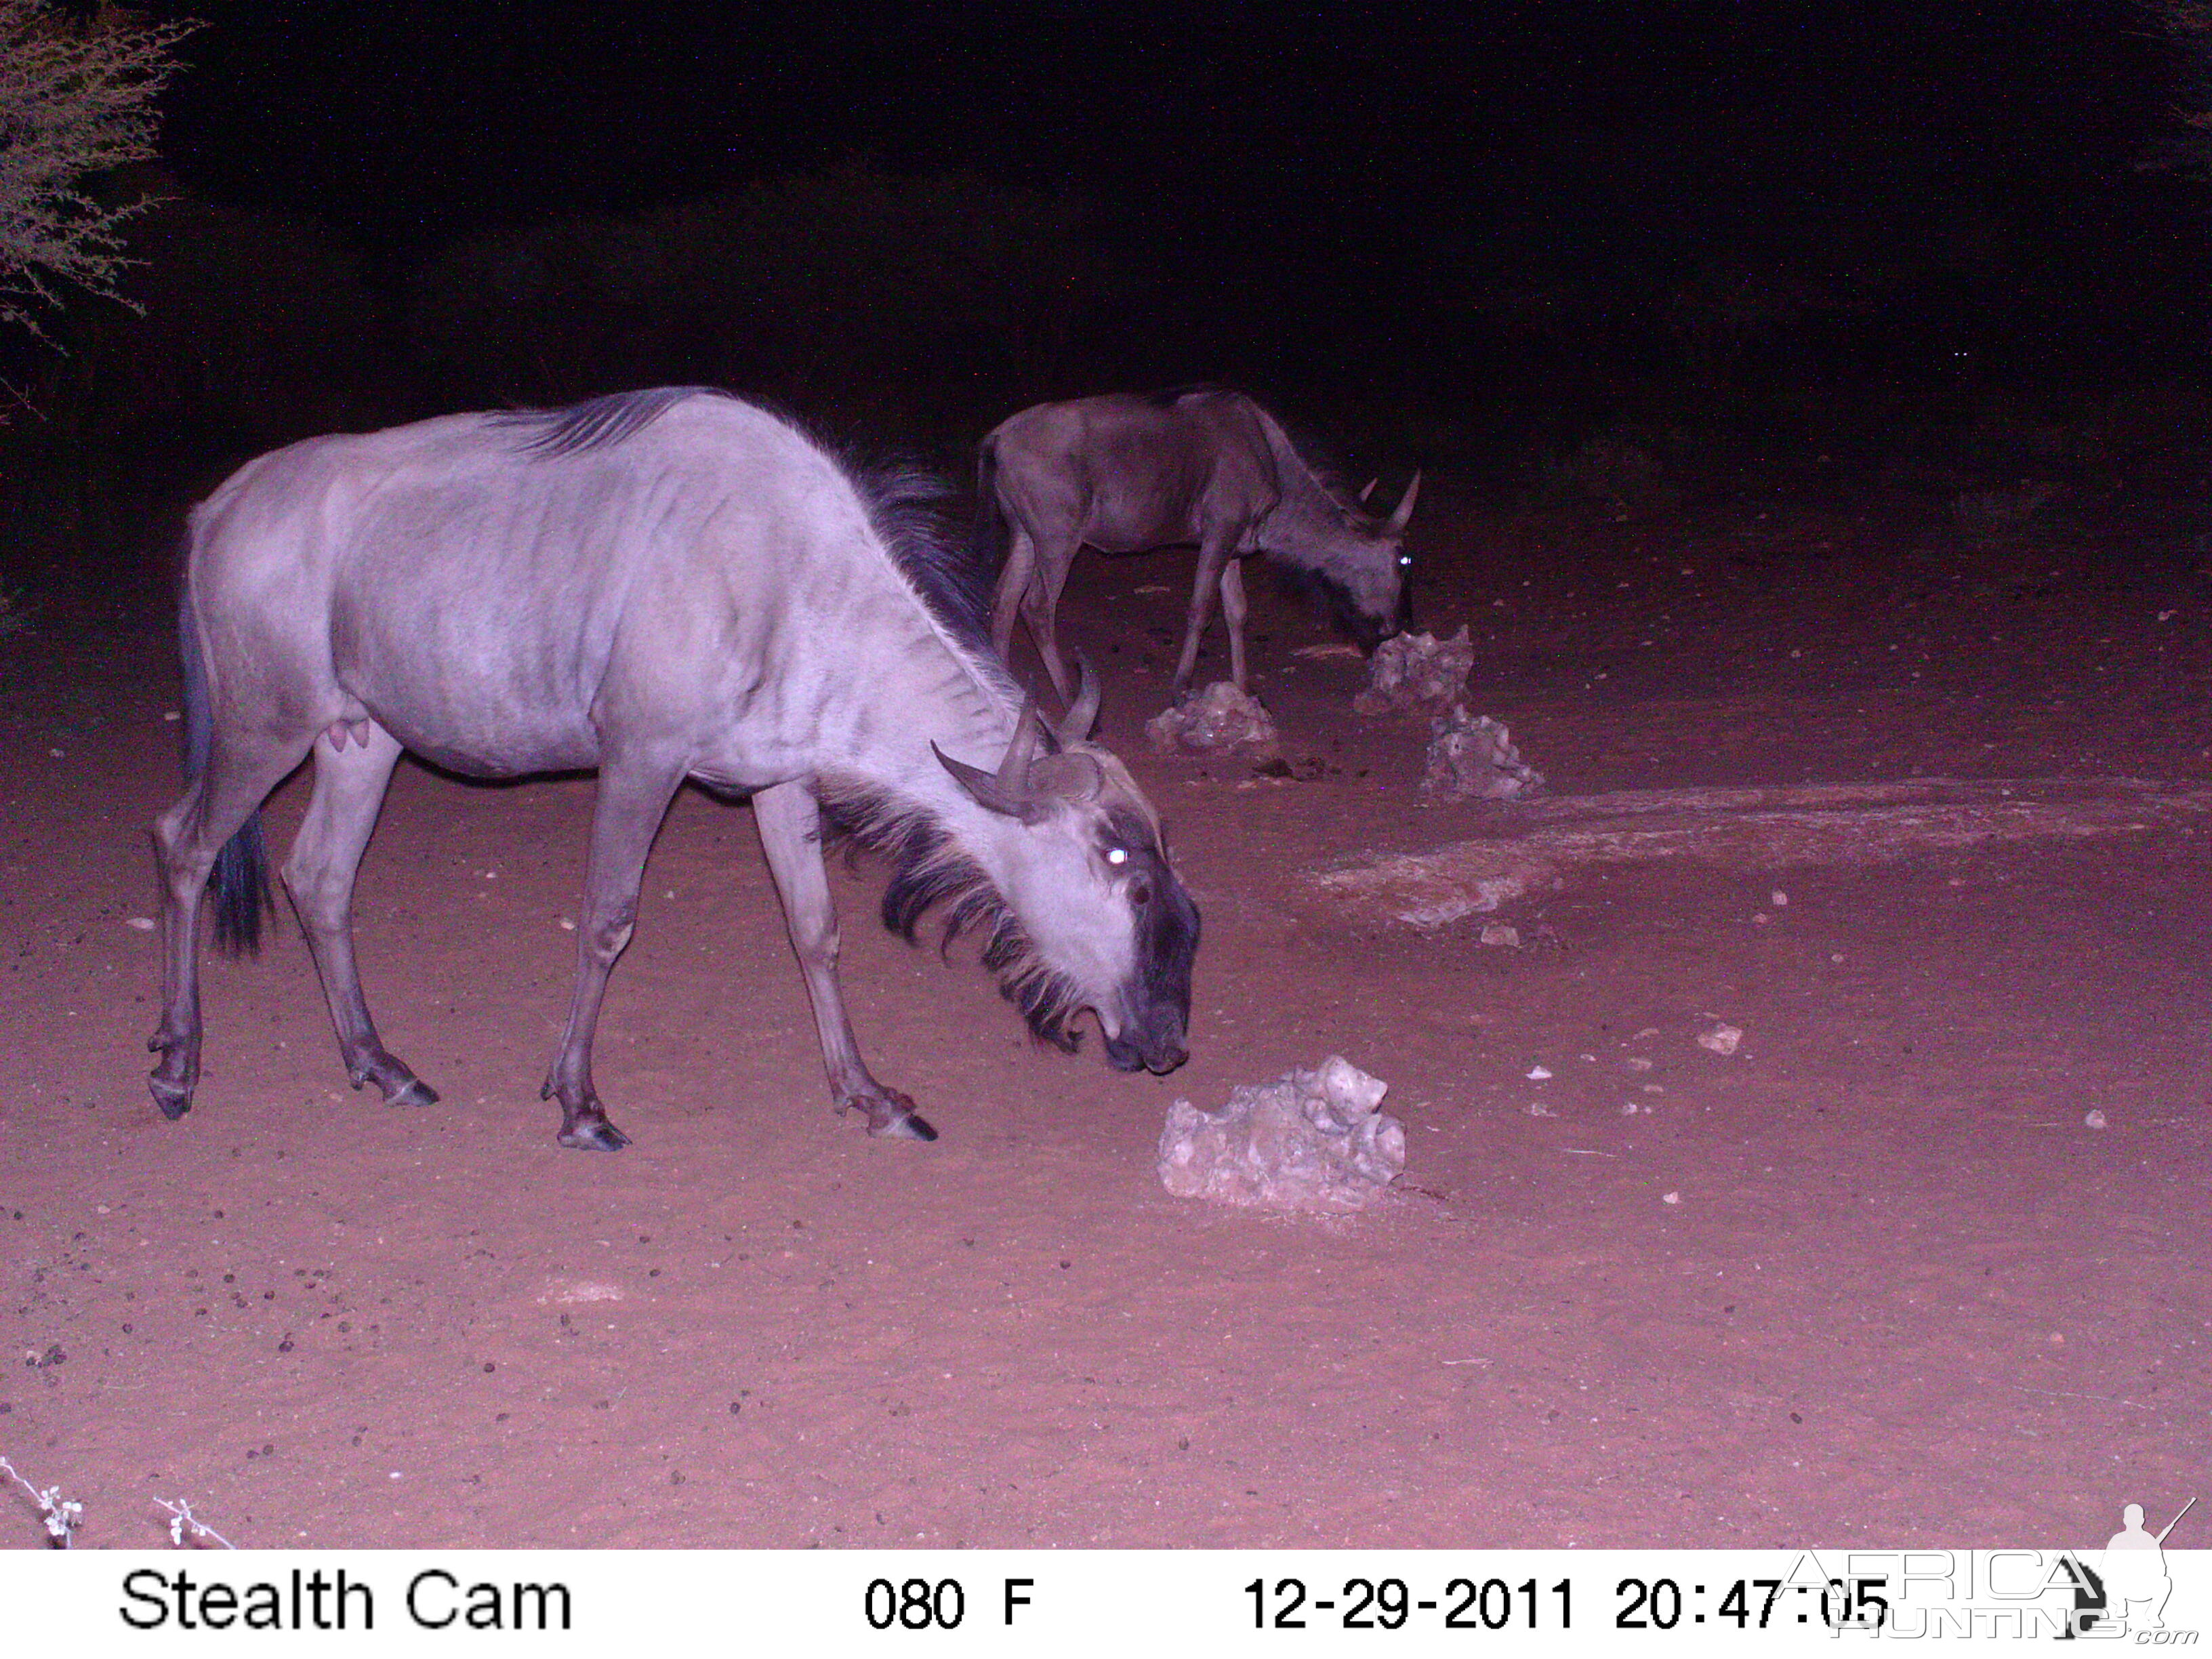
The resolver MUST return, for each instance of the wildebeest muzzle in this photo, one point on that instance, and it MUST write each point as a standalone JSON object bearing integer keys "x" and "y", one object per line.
{"x": 1158, "y": 1048}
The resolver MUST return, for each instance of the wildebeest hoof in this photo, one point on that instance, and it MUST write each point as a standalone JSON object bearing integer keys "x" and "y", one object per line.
{"x": 907, "y": 1126}
{"x": 173, "y": 1101}
{"x": 593, "y": 1134}
{"x": 413, "y": 1092}
{"x": 892, "y": 1116}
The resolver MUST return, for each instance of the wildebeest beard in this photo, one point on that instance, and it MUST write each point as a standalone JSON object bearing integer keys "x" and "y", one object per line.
{"x": 929, "y": 869}
{"x": 1329, "y": 595}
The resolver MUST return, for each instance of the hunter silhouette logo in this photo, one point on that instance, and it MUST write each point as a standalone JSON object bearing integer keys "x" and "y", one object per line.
{"x": 2135, "y": 1581}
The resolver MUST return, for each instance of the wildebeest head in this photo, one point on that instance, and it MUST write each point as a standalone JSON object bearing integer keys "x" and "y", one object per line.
{"x": 1366, "y": 575}
{"x": 1102, "y": 922}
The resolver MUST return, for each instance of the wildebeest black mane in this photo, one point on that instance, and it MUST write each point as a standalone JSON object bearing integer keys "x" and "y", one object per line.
{"x": 930, "y": 871}
{"x": 906, "y": 503}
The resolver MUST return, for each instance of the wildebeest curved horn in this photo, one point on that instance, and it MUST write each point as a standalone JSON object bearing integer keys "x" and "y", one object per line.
{"x": 1028, "y": 737}
{"x": 1008, "y": 790}
{"x": 983, "y": 788}
{"x": 1075, "y": 726}
{"x": 1369, "y": 489}
{"x": 1405, "y": 510}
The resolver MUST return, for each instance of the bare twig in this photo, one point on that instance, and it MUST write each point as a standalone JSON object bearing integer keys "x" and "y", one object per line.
{"x": 61, "y": 1515}
{"x": 182, "y": 1519}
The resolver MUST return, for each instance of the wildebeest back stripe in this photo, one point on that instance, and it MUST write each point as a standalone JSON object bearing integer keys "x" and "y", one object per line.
{"x": 599, "y": 422}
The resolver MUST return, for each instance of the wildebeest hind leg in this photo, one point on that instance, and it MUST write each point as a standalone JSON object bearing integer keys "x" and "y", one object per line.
{"x": 791, "y": 834}
{"x": 1013, "y": 584}
{"x": 1041, "y": 611}
{"x": 633, "y": 798}
{"x": 237, "y": 777}
{"x": 319, "y": 874}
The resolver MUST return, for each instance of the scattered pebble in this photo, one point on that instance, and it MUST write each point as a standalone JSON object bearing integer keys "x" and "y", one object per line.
{"x": 1778, "y": 899}
{"x": 1721, "y": 1039}
{"x": 143, "y": 924}
{"x": 1539, "y": 1073}
{"x": 1537, "y": 1109}
{"x": 1671, "y": 1198}
{"x": 1637, "y": 1063}
{"x": 2093, "y": 1120}
{"x": 1497, "y": 932}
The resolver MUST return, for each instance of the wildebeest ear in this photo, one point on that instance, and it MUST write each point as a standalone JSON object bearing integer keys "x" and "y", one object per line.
{"x": 1368, "y": 490}
{"x": 1077, "y": 778}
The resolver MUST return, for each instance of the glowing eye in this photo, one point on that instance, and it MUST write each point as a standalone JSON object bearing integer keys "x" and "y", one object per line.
{"x": 1116, "y": 855}
{"x": 1405, "y": 559}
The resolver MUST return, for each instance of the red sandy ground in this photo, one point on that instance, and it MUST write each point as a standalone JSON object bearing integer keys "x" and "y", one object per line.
{"x": 1905, "y": 1296}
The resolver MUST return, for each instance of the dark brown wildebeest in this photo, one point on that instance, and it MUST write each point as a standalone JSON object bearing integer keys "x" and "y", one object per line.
{"x": 1199, "y": 466}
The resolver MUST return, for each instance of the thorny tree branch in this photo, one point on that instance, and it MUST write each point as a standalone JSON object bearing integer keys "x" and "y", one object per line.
{"x": 76, "y": 99}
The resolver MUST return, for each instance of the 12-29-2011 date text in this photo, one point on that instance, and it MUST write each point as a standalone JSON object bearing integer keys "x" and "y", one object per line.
{"x": 1392, "y": 1604}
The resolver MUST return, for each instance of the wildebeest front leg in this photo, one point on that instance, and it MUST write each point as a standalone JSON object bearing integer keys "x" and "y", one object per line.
{"x": 319, "y": 874}
{"x": 1232, "y": 616}
{"x": 1213, "y": 556}
{"x": 791, "y": 833}
{"x": 633, "y": 798}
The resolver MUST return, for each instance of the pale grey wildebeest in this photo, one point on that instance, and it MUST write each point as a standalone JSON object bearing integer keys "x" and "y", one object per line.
{"x": 1198, "y": 465}
{"x": 659, "y": 585}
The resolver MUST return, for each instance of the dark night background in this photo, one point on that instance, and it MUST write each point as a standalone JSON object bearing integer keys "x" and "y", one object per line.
{"x": 1472, "y": 237}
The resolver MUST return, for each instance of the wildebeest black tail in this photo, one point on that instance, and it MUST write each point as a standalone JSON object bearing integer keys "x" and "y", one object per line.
{"x": 989, "y": 540}
{"x": 240, "y": 881}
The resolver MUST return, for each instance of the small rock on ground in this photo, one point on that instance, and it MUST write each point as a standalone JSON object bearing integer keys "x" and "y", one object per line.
{"x": 1218, "y": 719}
{"x": 1417, "y": 672}
{"x": 1472, "y": 757}
{"x": 1312, "y": 1141}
